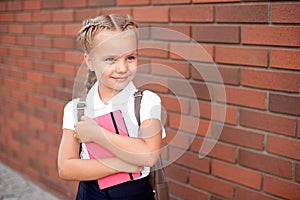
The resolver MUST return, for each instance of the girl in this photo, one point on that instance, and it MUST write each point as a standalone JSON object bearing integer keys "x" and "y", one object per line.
{"x": 110, "y": 46}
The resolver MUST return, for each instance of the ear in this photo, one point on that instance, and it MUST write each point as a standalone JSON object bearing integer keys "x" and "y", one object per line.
{"x": 89, "y": 62}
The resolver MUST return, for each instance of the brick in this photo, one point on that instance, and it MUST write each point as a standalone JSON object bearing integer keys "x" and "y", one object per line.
{"x": 186, "y": 192}
{"x": 63, "y": 15}
{"x": 34, "y": 53}
{"x": 153, "y": 49}
{"x": 216, "y": 34}
{"x": 101, "y": 3}
{"x": 25, "y": 40}
{"x": 51, "y": 4}
{"x": 215, "y": 73}
{"x": 189, "y": 89}
{"x": 214, "y": 111}
{"x": 284, "y": 104}
{"x": 35, "y": 100}
{"x": 214, "y": 1}
{"x": 64, "y": 43}
{"x": 83, "y": 14}
{"x": 73, "y": 57}
{"x": 298, "y": 128}
{"x": 192, "y": 52}
{"x": 171, "y": 32}
{"x": 246, "y": 194}
{"x": 41, "y": 41}
{"x": 3, "y": 28}
{"x": 16, "y": 51}
{"x": 178, "y": 139}
{"x": 37, "y": 124}
{"x": 271, "y": 35}
{"x": 283, "y": 146}
{"x": 53, "y": 29}
{"x": 271, "y": 80}
{"x": 74, "y": 4}
{"x": 32, "y": 29}
{"x": 286, "y": 13}
{"x": 211, "y": 184}
{"x": 3, "y": 6}
{"x": 151, "y": 14}
{"x": 242, "y": 13}
{"x": 61, "y": 93}
{"x": 54, "y": 55}
{"x": 54, "y": 80}
{"x": 118, "y": 10}
{"x": 7, "y": 39}
{"x": 152, "y": 83}
{"x": 34, "y": 77}
{"x": 237, "y": 174}
{"x": 297, "y": 170}
{"x": 170, "y": 1}
{"x": 191, "y": 14}
{"x": 268, "y": 122}
{"x": 13, "y": 6}
{"x": 242, "y": 55}
{"x": 242, "y": 97}
{"x": 42, "y": 16}
{"x": 175, "y": 104}
{"x": 71, "y": 29}
{"x": 132, "y": 2}
{"x": 32, "y": 5}
{"x": 185, "y": 123}
{"x": 64, "y": 69}
{"x": 281, "y": 188}
{"x": 285, "y": 59}
{"x": 24, "y": 17}
{"x": 7, "y": 17}
{"x": 241, "y": 137}
{"x": 26, "y": 86}
{"x": 220, "y": 150}
{"x": 17, "y": 29}
{"x": 266, "y": 163}
{"x": 19, "y": 96}
{"x": 170, "y": 68}
{"x": 177, "y": 172}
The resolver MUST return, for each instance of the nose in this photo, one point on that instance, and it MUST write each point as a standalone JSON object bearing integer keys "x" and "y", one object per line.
{"x": 121, "y": 66}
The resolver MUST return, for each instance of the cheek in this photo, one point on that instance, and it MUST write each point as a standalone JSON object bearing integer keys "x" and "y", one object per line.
{"x": 101, "y": 71}
{"x": 133, "y": 66}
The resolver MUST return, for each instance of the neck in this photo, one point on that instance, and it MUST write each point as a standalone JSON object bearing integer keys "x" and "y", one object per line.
{"x": 106, "y": 94}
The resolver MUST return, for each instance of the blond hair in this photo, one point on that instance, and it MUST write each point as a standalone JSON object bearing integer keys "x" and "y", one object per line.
{"x": 86, "y": 35}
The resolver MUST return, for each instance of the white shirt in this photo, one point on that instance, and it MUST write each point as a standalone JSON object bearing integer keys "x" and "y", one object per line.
{"x": 124, "y": 101}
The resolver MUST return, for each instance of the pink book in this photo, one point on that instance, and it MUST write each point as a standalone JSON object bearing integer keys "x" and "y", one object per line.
{"x": 112, "y": 122}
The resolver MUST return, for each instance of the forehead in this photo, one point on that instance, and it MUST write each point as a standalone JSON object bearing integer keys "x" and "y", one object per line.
{"x": 114, "y": 42}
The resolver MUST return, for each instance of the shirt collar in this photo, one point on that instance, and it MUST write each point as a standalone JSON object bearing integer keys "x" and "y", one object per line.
{"x": 94, "y": 101}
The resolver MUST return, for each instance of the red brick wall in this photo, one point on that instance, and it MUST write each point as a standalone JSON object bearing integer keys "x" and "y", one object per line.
{"x": 255, "y": 45}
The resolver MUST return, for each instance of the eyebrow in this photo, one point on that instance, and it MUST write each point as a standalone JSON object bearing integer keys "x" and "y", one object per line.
{"x": 114, "y": 55}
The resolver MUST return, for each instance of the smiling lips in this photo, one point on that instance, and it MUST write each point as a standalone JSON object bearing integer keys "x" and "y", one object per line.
{"x": 122, "y": 78}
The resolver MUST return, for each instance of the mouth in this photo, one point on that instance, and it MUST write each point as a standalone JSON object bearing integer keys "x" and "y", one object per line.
{"x": 121, "y": 78}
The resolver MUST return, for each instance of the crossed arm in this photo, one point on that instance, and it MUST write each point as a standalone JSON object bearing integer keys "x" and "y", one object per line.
{"x": 131, "y": 153}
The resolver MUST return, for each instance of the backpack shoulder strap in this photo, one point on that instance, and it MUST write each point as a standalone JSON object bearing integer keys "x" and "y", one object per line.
{"x": 80, "y": 112}
{"x": 80, "y": 107}
{"x": 137, "y": 104}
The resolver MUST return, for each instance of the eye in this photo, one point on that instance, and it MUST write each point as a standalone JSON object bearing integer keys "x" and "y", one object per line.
{"x": 131, "y": 58}
{"x": 110, "y": 60}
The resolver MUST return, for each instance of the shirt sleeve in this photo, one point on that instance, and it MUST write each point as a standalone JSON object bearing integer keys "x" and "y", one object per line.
{"x": 70, "y": 115}
{"x": 151, "y": 108}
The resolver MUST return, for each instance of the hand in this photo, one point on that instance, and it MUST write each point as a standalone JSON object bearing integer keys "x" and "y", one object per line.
{"x": 86, "y": 129}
